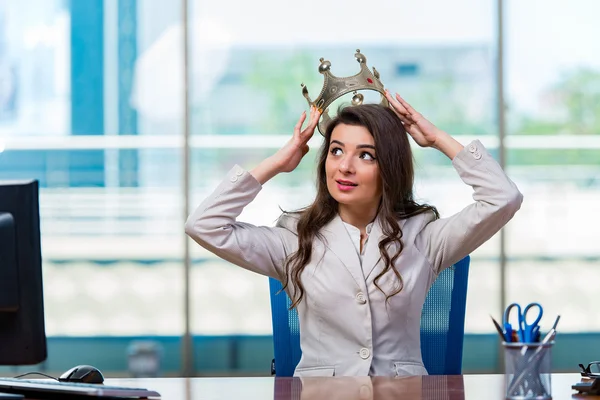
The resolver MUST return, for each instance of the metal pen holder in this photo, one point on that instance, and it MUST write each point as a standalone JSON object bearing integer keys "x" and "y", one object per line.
{"x": 528, "y": 368}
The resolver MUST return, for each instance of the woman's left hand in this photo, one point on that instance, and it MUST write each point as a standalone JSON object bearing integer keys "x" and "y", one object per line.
{"x": 424, "y": 133}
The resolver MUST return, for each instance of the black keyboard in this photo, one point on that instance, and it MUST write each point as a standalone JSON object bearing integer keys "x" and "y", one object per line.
{"x": 48, "y": 389}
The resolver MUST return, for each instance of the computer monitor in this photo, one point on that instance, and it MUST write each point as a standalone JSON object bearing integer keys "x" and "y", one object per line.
{"x": 22, "y": 330}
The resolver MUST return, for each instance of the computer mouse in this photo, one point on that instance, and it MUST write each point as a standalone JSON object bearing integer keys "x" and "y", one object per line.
{"x": 82, "y": 373}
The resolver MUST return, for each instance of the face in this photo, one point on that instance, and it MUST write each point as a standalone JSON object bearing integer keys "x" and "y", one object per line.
{"x": 351, "y": 167}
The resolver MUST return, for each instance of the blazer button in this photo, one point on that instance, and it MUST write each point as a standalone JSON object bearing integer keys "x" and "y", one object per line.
{"x": 477, "y": 155}
{"x": 233, "y": 179}
{"x": 239, "y": 172}
{"x": 364, "y": 353}
{"x": 472, "y": 148}
{"x": 360, "y": 298}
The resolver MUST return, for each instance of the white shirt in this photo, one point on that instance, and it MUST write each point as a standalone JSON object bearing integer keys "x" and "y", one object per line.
{"x": 354, "y": 233}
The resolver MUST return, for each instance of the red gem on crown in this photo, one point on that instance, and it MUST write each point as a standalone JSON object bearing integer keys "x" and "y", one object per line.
{"x": 369, "y": 80}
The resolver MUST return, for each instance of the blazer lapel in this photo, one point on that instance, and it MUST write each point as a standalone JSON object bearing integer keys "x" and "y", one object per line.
{"x": 339, "y": 242}
{"x": 372, "y": 255}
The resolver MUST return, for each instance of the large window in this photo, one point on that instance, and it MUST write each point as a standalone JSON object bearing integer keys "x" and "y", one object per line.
{"x": 553, "y": 98}
{"x": 111, "y": 197}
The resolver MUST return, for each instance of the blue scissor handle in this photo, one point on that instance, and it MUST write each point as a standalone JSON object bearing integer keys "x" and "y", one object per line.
{"x": 508, "y": 329}
{"x": 528, "y": 332}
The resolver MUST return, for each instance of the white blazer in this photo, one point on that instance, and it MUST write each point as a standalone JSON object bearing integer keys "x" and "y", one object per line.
{"x": 346, "y": 328}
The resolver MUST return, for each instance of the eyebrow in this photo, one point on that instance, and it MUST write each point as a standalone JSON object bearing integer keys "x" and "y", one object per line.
{"x": 360, "y": 146}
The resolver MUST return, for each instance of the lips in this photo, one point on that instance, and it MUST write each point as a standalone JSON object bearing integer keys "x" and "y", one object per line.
{"x": 346, "y": 183}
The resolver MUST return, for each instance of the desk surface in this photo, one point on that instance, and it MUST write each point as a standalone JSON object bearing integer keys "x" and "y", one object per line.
{"x": 459, "y": 387}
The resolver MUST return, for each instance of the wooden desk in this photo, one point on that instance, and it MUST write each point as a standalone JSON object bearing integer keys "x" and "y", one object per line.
{"x": 459, "y": 387}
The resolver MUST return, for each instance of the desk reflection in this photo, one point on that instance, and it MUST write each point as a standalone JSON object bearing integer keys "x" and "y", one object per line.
{"x": 453, "y": 387}
{"x": 367, "y": 388}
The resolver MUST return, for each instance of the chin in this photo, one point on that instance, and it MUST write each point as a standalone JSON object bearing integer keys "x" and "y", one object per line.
{"x": 345, "y": 199}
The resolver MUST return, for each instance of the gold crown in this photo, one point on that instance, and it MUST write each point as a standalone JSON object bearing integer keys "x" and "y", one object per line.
{"x": 335, "y": 87}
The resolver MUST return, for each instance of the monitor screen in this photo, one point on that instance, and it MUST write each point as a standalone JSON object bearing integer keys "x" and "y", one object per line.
{"x": 22, "y": 331}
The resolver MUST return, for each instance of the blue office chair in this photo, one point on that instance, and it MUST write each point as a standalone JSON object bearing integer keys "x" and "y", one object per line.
{"x": 442, "y": 325}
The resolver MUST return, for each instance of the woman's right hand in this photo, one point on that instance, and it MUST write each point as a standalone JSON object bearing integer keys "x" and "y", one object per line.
{"x": 289, "y": 156}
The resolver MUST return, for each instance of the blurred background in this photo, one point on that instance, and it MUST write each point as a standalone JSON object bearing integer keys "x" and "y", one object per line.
{"x": 92, "y": 104}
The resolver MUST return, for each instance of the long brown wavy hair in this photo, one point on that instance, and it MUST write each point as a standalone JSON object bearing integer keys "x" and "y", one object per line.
{"x": 395, "y": 161}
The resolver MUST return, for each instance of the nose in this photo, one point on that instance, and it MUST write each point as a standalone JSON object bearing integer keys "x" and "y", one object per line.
{"x": 346, "y": 166}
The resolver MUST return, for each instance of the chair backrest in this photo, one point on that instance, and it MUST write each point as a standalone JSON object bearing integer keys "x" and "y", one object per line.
{"x": 442, "y": 324}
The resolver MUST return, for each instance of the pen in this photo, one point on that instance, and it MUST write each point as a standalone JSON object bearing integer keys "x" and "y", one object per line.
{"x": 498, "y": 328}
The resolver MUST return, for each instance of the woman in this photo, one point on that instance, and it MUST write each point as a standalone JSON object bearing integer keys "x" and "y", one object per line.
{"x": 358, "y": 262}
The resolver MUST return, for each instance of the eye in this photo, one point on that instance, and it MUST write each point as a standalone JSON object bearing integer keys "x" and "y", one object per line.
{"x": 336, "y": 151}
{"x": 365, "y": 155}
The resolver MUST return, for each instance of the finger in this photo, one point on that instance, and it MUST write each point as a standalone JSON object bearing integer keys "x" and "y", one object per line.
{"x": 317, "y": 117}
{"x": 412, "y": 118}
{"x": 395, "y": 104}
{"x": 407, "y": 106}
{"x": 299, "y": 124}
{"x": 402, "y": 114}
{"x": 415, "y": 134}
{"x": 312, "y": 124}
{"x": 407, "y": 121}
{"x": 401, "y": 111}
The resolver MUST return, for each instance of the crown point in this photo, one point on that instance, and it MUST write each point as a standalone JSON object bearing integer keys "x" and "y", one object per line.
{"x": 360, "y": 57}
{"x": 325, "y": 66}
{"x": 321, "y": 59}
{"x": 376, "y": 73}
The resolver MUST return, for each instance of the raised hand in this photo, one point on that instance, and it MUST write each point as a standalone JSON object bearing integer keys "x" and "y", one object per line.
{"x": 288, "y": 157}
{"x": 424, "y": 133}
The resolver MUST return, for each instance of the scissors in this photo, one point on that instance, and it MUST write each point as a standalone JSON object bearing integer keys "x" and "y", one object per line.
{"x": 526, "y": 332}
